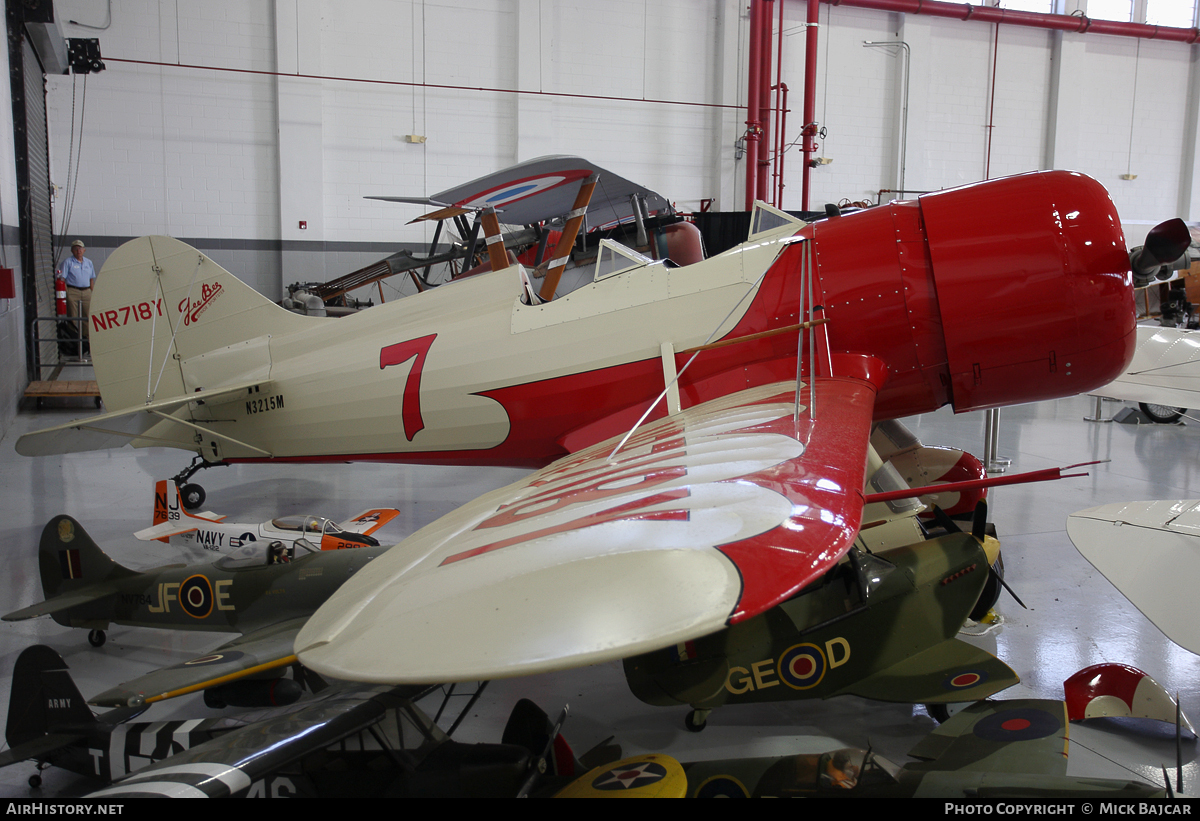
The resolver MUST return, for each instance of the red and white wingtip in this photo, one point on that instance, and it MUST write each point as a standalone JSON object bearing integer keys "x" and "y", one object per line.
{"x": 1118, "y": 690}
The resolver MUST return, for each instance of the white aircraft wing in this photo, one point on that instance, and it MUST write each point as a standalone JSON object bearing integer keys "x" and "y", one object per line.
{"x": 1150, "y": 551}
{"x": 1165, "y": 369}
{"x": 112, "y": 430}
{"x": 704, "y": 518}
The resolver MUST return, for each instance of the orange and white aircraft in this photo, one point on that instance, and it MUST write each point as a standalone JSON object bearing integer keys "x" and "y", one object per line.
{"x": 745, "y": 485}
{"x": 211, "y": 533}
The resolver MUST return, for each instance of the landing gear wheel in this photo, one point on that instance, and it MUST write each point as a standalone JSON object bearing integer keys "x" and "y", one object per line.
{"x": 96, "y": 638}
{"x": 938, "y": 712}
{"x": 1161, "y": 414}
{"x": 192, "y": 496}
{"x": 696, "y": 720}
{"x": 35, "y": 781}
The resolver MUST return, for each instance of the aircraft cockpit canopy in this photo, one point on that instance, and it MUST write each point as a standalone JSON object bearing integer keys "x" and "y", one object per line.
{"x": 305, "y": 524}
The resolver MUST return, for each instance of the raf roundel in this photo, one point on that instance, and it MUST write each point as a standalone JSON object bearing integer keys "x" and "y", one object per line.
{"x": 1022, "y": 724}
{"x": 196, "y": 596}
{"x": 965, "y": 679}
{"x": 802, "y": 667}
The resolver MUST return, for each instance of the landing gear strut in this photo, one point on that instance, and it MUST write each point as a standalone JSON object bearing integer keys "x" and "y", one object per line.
{"x": 191, "y": 495}
{"x": 696, "y": 720}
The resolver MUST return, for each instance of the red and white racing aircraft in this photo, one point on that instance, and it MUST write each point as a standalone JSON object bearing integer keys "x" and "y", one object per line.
{"x": 744, "y": 486}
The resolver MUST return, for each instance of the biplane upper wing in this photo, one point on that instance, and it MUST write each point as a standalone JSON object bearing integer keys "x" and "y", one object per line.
{"x": 1165, "y": 369}
{"x": 1150, "y": 551}
{"x": 265, "y": 649}
{"x": 704, "y": 518}
{"x": 545, "y": 188}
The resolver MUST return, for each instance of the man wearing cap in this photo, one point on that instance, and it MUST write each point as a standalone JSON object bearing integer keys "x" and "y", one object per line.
{"x": 79, "y": 274}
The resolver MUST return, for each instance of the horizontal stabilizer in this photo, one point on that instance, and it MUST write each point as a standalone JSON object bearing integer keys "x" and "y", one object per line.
{"x": 118, "y": 428}
{"x": 950, "y": 672}
{"x": 1019, "y": 736}
{"x": 1165, "y": 369}
{"x": 186, "y": 524}
{"x": 63, "y": 602}
{"x": 371, "y": 520}
{"x": 1150, "y": 551}
{"x": 266, "y": 649}
{"x": 39, "y": 748}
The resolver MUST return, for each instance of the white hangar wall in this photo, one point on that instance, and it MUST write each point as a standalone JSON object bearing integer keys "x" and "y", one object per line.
{"x": 233, "y": 160}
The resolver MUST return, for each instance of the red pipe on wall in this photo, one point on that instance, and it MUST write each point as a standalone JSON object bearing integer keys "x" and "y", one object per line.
{"x": 753, "y": 125}
{"x": 1059, "y": 22}
{"x": 764, "y": 100}
{"x": 810, "y": 95}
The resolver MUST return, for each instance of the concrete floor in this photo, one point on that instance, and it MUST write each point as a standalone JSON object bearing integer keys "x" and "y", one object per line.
{"x": 1075, "y": 617}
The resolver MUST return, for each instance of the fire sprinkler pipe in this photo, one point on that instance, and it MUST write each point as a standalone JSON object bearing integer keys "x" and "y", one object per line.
{"x": 1058, "y": 22}
{"x": 764, "y": 99}
{"x": 810, "y": 95}
{"x": 753, "y": 126}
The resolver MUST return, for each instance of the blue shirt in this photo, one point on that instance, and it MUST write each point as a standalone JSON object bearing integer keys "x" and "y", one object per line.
{"x": 78, "y": 274}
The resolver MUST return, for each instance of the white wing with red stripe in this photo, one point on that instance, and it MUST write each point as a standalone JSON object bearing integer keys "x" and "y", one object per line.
{"x": 704, "y": 518}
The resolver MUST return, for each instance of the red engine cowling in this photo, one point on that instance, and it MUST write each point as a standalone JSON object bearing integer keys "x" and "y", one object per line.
{"x": 1003, "y": 292}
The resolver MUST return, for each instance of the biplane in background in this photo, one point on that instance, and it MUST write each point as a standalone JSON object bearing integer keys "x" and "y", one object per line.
{"x": 534, "y": 199}
{"x": 743, "y": 488}
{"x": 173, "y": 521}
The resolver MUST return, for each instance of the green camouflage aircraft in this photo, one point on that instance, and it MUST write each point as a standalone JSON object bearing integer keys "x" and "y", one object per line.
{"x": 880, "y": 625}
{"x": 264, "y": 590}
{"x": 990, "y": 750}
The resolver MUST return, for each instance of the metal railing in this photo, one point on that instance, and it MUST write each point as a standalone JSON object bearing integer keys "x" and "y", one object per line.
{"x": 63, "y": 346}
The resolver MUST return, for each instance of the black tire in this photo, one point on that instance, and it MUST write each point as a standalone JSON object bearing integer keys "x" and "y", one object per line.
{"x": 96, "y": 638}
{"x": 35, "y": 781}
{"x": 1161, "y": 414}
{"x": 938, "y": 712}
{"x": 192, "y": 496}
{"x": 693, "y": 723}
{"x": 991, "y": 591}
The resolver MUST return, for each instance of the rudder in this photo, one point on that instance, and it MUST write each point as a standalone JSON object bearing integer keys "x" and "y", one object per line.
{"x": 159, "y": 303}
{"x": 69, "y": 560}
{"x": 43, "y": 697}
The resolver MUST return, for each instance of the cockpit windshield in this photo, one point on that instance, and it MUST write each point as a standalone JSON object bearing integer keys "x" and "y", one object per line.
{"x": 307, "y": 524}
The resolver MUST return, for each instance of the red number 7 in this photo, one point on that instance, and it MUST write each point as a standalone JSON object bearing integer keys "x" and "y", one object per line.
{"x": 398, "y": 354}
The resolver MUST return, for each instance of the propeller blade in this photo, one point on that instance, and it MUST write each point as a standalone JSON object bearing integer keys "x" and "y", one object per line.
{"x": 979, "y": 522}
{"x": 1011, "y": 592}
{"x": 943, "y": 519}
{"x": 1165, "y": 243}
